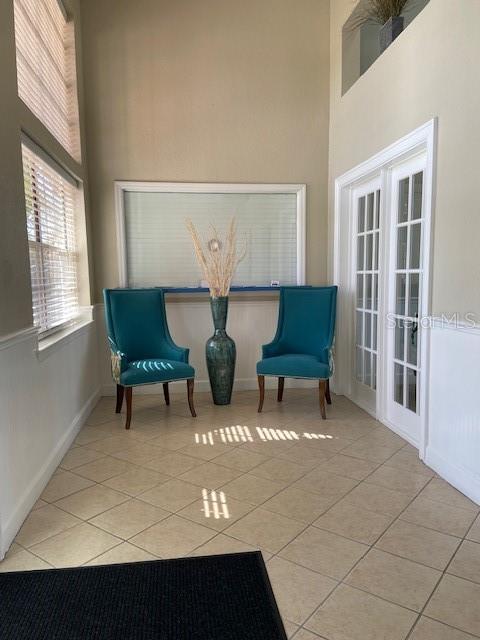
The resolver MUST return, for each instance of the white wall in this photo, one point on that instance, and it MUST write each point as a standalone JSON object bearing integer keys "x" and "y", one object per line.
{"x": 453, "y": 438}
{"x": 45, "y": 399}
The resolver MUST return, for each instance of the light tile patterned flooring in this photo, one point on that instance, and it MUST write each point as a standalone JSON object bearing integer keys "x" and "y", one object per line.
{"x": 362, "y": 540}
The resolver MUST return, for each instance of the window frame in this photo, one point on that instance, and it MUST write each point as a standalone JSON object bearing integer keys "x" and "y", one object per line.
{"x": 123, "y": 186}
{"x": 77, "y": 185}
{"x": 68, "y": 76}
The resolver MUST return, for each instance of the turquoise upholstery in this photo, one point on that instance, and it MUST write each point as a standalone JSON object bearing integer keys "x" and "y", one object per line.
{"x": 142, "y": 349}
{"x": 303, "y": 343}
{"x": 294, "y": 365}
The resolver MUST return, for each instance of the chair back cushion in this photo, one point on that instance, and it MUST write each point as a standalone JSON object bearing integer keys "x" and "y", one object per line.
{"x": 306, "y": 321}
{"x": 136, "y": 322}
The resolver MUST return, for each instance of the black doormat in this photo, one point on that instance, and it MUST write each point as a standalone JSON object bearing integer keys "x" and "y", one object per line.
{"x": 225, "y": 597}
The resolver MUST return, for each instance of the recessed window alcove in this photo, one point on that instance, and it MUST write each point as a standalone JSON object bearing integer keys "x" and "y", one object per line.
{"x": 361, "y": 46}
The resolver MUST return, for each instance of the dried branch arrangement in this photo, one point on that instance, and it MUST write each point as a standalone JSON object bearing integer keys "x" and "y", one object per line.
{"x": 218, "y": 259}
{"x": 377, "y": 11}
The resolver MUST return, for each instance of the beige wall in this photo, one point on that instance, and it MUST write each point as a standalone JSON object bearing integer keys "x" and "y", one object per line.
{"x": 15, "y": 117}
{"x": 431, "y": 70}
{"x": 213, "y": 91}
{"x": 15, "y": 297}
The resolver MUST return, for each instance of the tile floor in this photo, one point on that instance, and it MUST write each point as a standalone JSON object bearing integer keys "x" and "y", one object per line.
{"x": 362, "y": 540}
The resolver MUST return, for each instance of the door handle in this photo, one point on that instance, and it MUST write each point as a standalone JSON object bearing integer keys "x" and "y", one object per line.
{"x": 414, "y": 330}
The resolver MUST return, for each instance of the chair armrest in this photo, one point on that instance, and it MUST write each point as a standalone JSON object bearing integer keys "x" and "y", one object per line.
{"x": 271, "y": 349}
{"x": 328, "y": 356}
{"x": 118, "y": 361}
{"x": 174, "y": 352}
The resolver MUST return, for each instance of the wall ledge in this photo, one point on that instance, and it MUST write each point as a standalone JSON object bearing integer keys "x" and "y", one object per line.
{"x": 11, "y": 339}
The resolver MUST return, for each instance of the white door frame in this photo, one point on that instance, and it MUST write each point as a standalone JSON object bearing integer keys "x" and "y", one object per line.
{"x": 420, "y": 141}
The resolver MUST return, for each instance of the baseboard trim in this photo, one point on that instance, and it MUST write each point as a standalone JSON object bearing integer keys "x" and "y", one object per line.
{"x": 462, "y": 479}
{"x": 359, "y": 403}
{"x": 39, "y": 482}
{"x": 203, "y": 386}
{"x": 400, "y": 432}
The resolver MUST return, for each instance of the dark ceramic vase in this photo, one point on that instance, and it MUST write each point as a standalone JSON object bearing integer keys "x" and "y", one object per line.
{"x": 389, "y": 31}
{"x": 221, "y": 354}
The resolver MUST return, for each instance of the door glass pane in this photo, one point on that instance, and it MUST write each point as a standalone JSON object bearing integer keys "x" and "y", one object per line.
{"x": 412, "y": 342}
{"x": 369, "y": 252}
{"x": 366, "y": 279}
{"x": 375, "y": 252}
{"x": 368, "y": 330}
{"x": 413, "y": 294}
{"x": 374, "y": 371}
{"x": 368, "y": 291}
{"x": 359, "y": 330}
{"x": 360, "y": 250}
{"x": 415, "y": 236}
{"x": 360, "y": 291}
{"x": 399, "y": 340}
{"x": 403, "y": 200}
{"x": 402, "y": 247}
{"x": 368, "y": 368}
{"x": 375, "y": 292}
{"x": 398, "y": 383}
{"x": 412, "y": 390}
{"x": 417, "y": 196}
{"x": 361, "y": 215}
{"x": 370, "y": 203}
{"x": 400, "y": 294}
{"x": 359, "y": 364}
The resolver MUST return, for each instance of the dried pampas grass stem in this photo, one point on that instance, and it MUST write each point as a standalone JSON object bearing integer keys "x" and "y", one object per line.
{"x": 218, "y": 259}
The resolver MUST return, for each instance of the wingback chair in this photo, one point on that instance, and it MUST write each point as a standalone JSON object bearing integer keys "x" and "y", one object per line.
{"x": 142, "y": 350}
{"x": 302, "y": 347}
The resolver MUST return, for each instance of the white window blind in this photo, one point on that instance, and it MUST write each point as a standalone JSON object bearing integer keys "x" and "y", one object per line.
{"x": 45, "y": 47}
{"x": 159, "y": 250}
{"x": 50, "y": 198}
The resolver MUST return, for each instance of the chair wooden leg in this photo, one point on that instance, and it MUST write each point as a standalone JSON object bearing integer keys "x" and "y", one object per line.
{"x": 166, "y": 393}
{"x": 120, "y": 394}
{"x": 261, "y": 388}
{"x": 281, "y": 384}
{"x": 328, "y": 397}
{"x": 322, "y": 385}
{"x": 128, "y": 394}
{"x": 190, "y": 384}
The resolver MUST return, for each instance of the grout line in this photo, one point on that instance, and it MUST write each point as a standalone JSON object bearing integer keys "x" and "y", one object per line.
{"x": 369, "y": 548}
{"x": 260, "y": 505}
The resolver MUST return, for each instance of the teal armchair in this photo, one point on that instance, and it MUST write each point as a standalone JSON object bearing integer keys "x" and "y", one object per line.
{"x": 302, "y": 346}
{"x": 142, "y": 350}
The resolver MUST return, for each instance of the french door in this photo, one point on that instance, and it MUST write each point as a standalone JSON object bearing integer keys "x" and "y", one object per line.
{"x": 387, "y": 236}
{"x": 406, "y": 268}
{"x": 382, "y": 238}
{"x": 366, "y": 243}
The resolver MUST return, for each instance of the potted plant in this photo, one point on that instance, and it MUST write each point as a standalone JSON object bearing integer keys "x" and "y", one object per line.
{"x": 386, "y": 13}
{"x": 218, "y": 260}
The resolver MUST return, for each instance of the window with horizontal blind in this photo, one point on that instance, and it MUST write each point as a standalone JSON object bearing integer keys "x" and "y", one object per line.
{"x": 45, "y": 49}
{"x": 50, "y": 198}
{"x": 156, "y": 248}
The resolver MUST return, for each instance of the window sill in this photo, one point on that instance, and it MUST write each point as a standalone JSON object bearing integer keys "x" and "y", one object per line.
{"x": 243, "y": 294}
{"x": 48, "y": 345}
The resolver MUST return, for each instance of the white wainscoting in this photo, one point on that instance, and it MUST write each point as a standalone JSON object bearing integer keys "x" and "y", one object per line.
{"x": 251, "y": 323}
{"x": 453, "y": 437}
{"x": 44, "y": 399}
